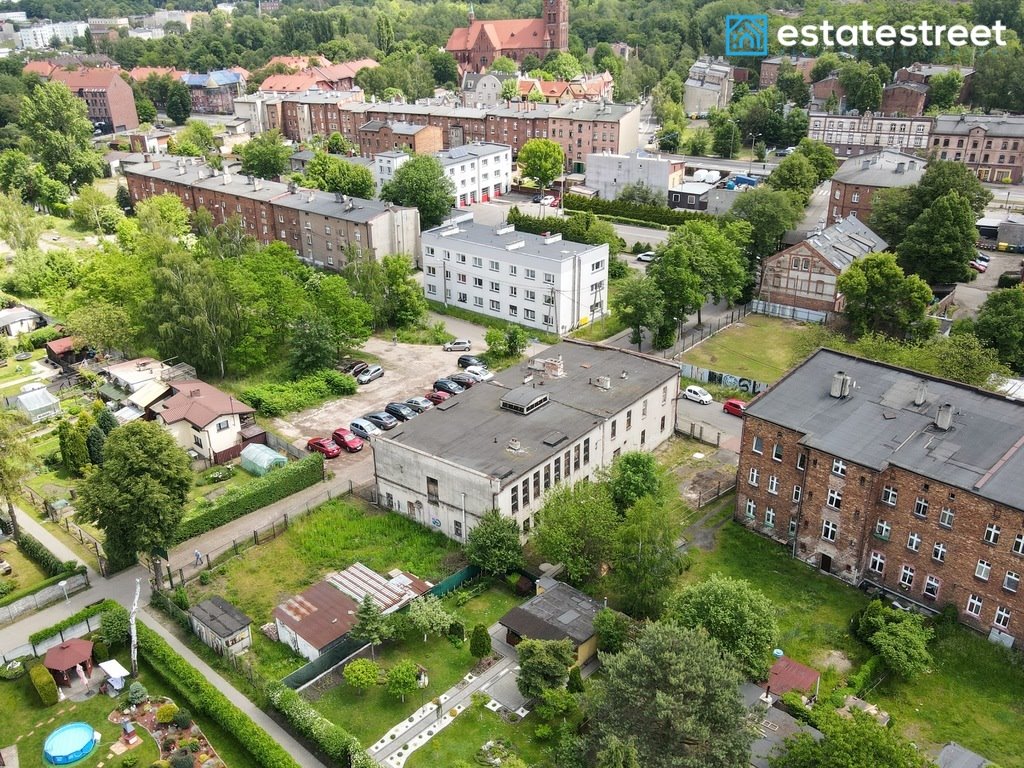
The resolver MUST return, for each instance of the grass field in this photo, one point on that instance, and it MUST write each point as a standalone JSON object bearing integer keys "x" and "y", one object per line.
{"x": 757, "y": 347}
{"x": 471, "y": 730}
{"x": 24, "y": 572}
{"x": 19, "y": 369}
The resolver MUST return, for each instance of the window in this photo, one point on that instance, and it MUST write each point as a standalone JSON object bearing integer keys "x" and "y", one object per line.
{"x": 877, "y": 562}
{"x": 983, "y": 569}
{"x": 769, "y": 518}
{"x": 835, "y": 499}
{"x": 432, "y": 495}
{"x": 549, "y": 278}
{"x": 751, "y": 509}
{"x": 513, "y": 291}
{"x": 513, "y": 270}
{"x": 907, "y": 576}
{"x": 931, "y": 587}
{"x": 478, "y": 282}
{"x": 839, "y": 467}
{"x": 513, "y": 310}
{"x": 629, "y": 420}
{"x": 974, "y": 604}
{"x": 478, "y": 301}
{"x": 463, "y": 297}
{"x": 777, "y": 452}
{"x": 1011, "y": 581}
{"x": 754, "y": 476}
{"x": 992, "y": 534}
{"x": 586, "y": 451}
{"x": 460, "y": 258}
{"x": 643, "y": 409}
{"x": 457, "y": 526}
{"x": 495, "y": 287}
{"x": 531, "y": 295}
{"x": 829, "y": 530}
{"x": 515, "y": 498}
{"x": 1002, "y": 619}
{"x": 478, "y": 261}
{"x": 558, "y": 470}
{"x": 939, "y": 552}
{"x": 797, "y": 493}
{"x": 801, "y": 461}
{"x": 889, "y": 496}
{"x": 526, "y": 525}
{"x": 547, "y": 476}
{"x": 1018, "y": 544}
{"x": 758, "y": 445}
{"x": 536, "y": 484}
{"x": 494, "y": 266}
{"x": 531, "y": 274}
{"x": 576, "y": 459}
{"x": 773, "y": 484}
{"x": 495, "y": 306}
{"x": 921, "y": 507}
{"x": 855, "y": 197}
{"x": 614, "y": 428}
{"x": 432, "y": 271}
{"x": 913, "y": 542}
{"x": 946, "y": 519}
{"x": 662, "y": 423}
{"x": 883, "y": 529}
{"x": 222, "y": 425}
{"x": 197, "y": 442}
{"x": 526, "y": 492}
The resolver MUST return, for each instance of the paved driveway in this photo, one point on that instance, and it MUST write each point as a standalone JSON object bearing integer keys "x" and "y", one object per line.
{"x": 712, "y": 420}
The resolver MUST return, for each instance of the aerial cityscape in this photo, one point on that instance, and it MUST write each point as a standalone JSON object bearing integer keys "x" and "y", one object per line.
{"x": 550, "y": 384}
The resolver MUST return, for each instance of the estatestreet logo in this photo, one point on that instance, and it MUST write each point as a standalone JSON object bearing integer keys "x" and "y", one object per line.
{"x": 748, "y": 35}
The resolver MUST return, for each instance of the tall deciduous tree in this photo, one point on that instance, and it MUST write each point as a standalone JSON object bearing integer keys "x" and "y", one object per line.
{"x": 504, "y": 64}
{"x": 544, "y": 664}
{"x": 726, "y": 139}
{"x": 854, "y": 742}
{"x": 493, "y": 544}
{"x": 1000, "y": 325}
{"x": 15, "y": 460}
{"x": 179, "y": 102}
{"x": 577, "y": 529}
{"x": 362, "y": 674}
{"x": 429, "y": 616}
{"x": 634, "y": 475}
{"x": 422, "y": 183}
{"x": 675, "y": 695}
{"x": 795, "y": 174}
{"x": 640, "y": 304}
{"x": 385, "y": 34}
{"x": 20, "y": 226}
{"x": 138, "y": 496}
{"x": 821, "y": 157}
{"x": 881, "y": 298}
{"x": 940, "y": 242}
{"x": 265, "y": 155}
{"x": 769, "y": 214}
{"x": 646, "y": 558}
{"x": 402, "y": 678}
{"x": 733, "y": 612}
{"x": 541, "y": 160}
{"x": 944, "y": 89}
{"x": 333, "y": 174}
{"x": 59, "y": 133}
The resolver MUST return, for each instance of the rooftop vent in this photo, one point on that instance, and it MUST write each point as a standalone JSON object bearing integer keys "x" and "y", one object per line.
{"x": 310, "y": 196}
{"x": 227, "y": 178}
{"x": 515, "y": 246}
{"x": 505, "y": 229}
{"x": 555, "y": 238}
{"x": 921, "y": 394}
{"x": 841, "y": 385}
{"x": 901, "y": 167}
{"x": 944, "y": 417}
{"x": 514, "y": 445}
{"x": 602, "y": 382}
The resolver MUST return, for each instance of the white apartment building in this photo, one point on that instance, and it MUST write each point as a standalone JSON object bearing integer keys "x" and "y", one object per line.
{"x": 39, "y": 36}
{"x": 479, "y": 171}
{"x": 554, "y": 419}
{"x": 540, "y": 282}
{"x": 850, "y": 135}
{"x": 386, "y": 163}
{"x": 608, "y": 173}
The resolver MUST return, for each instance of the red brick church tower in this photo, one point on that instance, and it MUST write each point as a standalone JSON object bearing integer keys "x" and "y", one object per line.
{"x": 475, "y": 47}
{"x": 556, "y": 22}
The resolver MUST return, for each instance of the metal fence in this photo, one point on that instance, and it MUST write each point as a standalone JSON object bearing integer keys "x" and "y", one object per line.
{"x": 275, "y": 442}
{"x": 706, "y": 497}
{"x": 695, "y": 336}
{"x": 87, "y": 539}
{"x": 702, "y": 432}
{"x": 44, "y": 597}
{"x": 788, "y": 313}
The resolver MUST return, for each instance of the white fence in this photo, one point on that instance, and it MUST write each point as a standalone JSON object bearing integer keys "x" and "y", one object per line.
{"x": 44, "y": 597}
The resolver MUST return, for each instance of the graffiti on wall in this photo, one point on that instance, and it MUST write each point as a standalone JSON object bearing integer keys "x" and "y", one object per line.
{"x": 730, "y": 380}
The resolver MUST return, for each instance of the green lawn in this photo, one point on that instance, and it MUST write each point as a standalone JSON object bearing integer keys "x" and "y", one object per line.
{"x": 25, "y": 573}
{"x": 199, "y": 492}
{"x": 757, "y": 347}
{"x": 372, "y": 714}
{"x": 18, "y": 369}
{"x": 471, "y": 730}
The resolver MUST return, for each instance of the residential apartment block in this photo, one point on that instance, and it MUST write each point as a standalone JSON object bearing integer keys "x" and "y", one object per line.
{"x": 708, "y": 85}
{"x": 608, "y": 173}
{"x": 551, "y": 420}
{"x": 213, "y": 93}
{"x": 41, "y": 35}
{"x": 770, "y": 68}
{"x": 379, "y": 136}
{"x": 858, "y": 178}
{"x": 849, "y": 135}
{"x": 108, "y": 98}
{"x": 319, "y": 226}
{"x": 992, "y": 146}
{"x": 540, "y": 282}
{"x": 882, "y": 475}
{"x": 478, "y": 172}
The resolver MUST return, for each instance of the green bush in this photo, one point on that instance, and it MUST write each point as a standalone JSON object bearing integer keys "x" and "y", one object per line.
{"x": 44, "y": 684}
{"x": 137, "y": 693}
{"x": 182, "y": 759}
{"x": 335, "y": 742}
{"x": 40, "y": 337}
{"x": 1008, "y": 279}
{"x": 634, "y": 211}
{"x": 115, "y": 625}
{"x": 279, "y": 399}
{"x": 160, "y": 764}
{"x": 12, "y": 670}
{"x": 207, "y": 700}
{"x": 75, "y": 618}
{"x": 41, "y": 556}
{"x": 129, "y": 761}
{"x": 266, "y": 490}
{"x": 7, "y": 586}
{"x": 166, "y": 712}
{"x": 182, "y": 718}
{"x": 866, "y": 676}
{"x": 100, "y": 650}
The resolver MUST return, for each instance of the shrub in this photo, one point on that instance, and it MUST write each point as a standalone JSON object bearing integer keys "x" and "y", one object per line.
{"x": 205, "y": 699}
{"x": 182, "y": 718}
{"x": 70, "y": 621}
{"x": 41, "y": 556}
{"x": 41, "y": 336}
{"x": 205, "y": 578}
{"x": 279, "y": 399}
{"x": 333, "y": 740}
{"x": 635, "y": 211}
{"x": 165, "y": 714}
{"x": 115, "y": 625}
{"x": 257, "y": 494}
{"x": 1008, "y": 279}
{"x": 6, "y": 587}
{"x": 180, "y": 598}
{"x": 12, "y": 670}
{"x": 160, "y": 764}
{"x": 130, "y": 761}
{"x": 44, "y": 684}
{"x": 100, "y": 650}
{"x": 182, "y": 759}
{"x": 137, "y": 693}
{"x": 865, "y": 677}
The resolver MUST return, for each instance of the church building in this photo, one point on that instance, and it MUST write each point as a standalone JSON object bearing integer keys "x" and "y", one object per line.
{"x": 477, "y": 46}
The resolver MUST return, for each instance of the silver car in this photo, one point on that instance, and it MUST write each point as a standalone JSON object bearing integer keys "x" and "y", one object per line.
{"x": 365, "y": 429}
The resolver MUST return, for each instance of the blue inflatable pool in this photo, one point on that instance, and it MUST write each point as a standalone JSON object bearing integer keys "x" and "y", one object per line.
{"x": 69, "y": 743}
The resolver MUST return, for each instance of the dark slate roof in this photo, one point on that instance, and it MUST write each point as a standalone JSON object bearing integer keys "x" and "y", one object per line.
{"x": 222, "y": 618}
{"x": 559, "y": 612}
{"x": 845, "y": 242}
{"x": 771, "y": 726}
{"x": 993, "y": 125}
{"x": 878, "y": 425}
{"x": 955, "y": 756}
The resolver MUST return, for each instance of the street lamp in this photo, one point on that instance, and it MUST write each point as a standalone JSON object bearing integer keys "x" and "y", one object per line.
{"x": 64, "y": 586}
{"x": 750, "y": 165}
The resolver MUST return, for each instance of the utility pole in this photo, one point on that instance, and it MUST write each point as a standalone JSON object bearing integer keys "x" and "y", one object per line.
{"x": 134, "y": 631}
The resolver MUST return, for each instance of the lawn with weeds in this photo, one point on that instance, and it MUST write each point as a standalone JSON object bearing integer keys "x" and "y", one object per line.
{"x": 20, "y": 369}
{"x": 462, "y": 739}
{"x": 24, "y": 572}
{"x": 757, "y": 347}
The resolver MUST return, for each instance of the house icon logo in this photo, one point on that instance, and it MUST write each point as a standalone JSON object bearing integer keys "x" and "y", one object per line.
{"x": 746, "y": 34}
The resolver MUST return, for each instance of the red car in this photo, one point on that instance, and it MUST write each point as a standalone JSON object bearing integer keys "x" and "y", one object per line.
{"x": 437, "y": 397}
{"x": 347, "y": 440}
{"x": 324, "y": 445}
{"x": 734, "y": 406}
{"x": 556, "y": 202}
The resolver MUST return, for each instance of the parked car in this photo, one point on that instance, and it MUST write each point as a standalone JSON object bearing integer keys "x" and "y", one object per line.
{"x": 555, "y": 202}
{"x": 449, "y": 386}
{"x": 735, "y": 406}
{"x": 324, "y": 445}
{"x": 457, "y": 345}
{"x": 351, "y": 366}
{"x": 646, "y": 256}
{"x": 365, "y": 429}
{"x": 463, "y": 379}
{"x": 419, "y": 404}
{"x": 382, "y": 419}
{"x": 437, "y": 396}
{"x": 984, "y": 258}
{"x": 536, "y": 198}
{"x": 785, "y": 152}
{"x": 547, "y": 200}
{"x": 977, "y": 266}
{"x": 372, "y": 372}
{"x": 480, "y": 372}
{"x": 467, "y": 360}
{"x": 347, "y": 440}
{"x": 400, "y": 411}
{"x": 698, "y": 395}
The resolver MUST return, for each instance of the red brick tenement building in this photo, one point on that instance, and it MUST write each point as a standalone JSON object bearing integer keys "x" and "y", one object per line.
{"x": 477, "y": 46}
{"x": 857, "y": 180}
{"x": 878, "y": 474}
{"x": 108, "y": 98}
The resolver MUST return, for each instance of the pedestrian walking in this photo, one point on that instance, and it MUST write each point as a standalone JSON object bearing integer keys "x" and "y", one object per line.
{"x": 199, "y": 558}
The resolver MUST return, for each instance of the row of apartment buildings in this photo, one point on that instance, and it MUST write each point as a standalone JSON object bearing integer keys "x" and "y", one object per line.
{"x": 319, "y": 226}
{"x": 478, "y": 172}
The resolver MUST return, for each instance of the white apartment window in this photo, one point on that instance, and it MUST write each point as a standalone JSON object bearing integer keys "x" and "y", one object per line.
{"x": 758, "y": 445}
{"x": 531, "y": 295}
{"x": 946, "y": 520}
{"x": 461, "y": 278}
{"x": 513, "y": 291}
{"x": 754, "y": 476}
{"x": 751, "y": 509}
{"x": 1011, "y": 581}
{"x": 835, "y": 499}
{"x": 907, "y": 576}
{"x": 777, "y": 452}
{"x": 1018, "y": 544}
{"x": 549, "y": 299}
{"x": 548, "y": 320}
{"x": 769, "y": 518}
{"x": 797, "y": 492}
{"x": 939, "y": 552}
{"x": 889, "y": 496}
{"x": 327, "y": 230}
{"x": 931, "y": 587}
{"x": 460, "y": 257}
{"x": 432, "y": 271}
{"x": 913, "y": 542}
{"x": 478, "y": 301}
{"x": 921, "y": 507}
{"x": 1002, "y": 619}
{"x": 974, "y": 603}
{"x": 513, "y": 310}
{"x": 531, "y": 274}
{"x": 992, "y": 534}
{"x": 877, "y": 563}
{"x": 855, "y": 197}
{"x": 801, "y": 461}
{"x": 478, "y": 261}
{"x": 222, "y": 425}
{"x": 597, "y": 266}
{"x": 513, "y": 270}
{"x": 829, "y": 530}
{"x": 883, "y": 529}
{"x": 839, "y": 467}
{"x": 463, "y": 297}
{"x": 431, "y": 288}
{"x": 494, "y": 265}
{"x": 983, "y": 569}
{"x": 529, "y": 314}
{"x": 549, "y": 278}
{"x": 773, "y": 484}
{"x": 495, "y": 306}
{"x": 495, "y": 287}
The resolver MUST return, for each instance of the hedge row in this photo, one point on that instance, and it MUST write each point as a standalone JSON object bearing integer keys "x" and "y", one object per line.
{"x": 334, "y": 741}
{"x": 865, "y": 677}
{"x": 12, "y": 597}
{"x": 279, "y": 399}
{"x": 40, "y": 337}
{"x": 44, "y": 684}
{"x": 204, "y": 699}
{"x": 76, "y": 618}
{"x": 41, "y": 556}
{"x": 644, "y": 213}
{"x": 632, "y": 222}
{"x": 272, "y": 487}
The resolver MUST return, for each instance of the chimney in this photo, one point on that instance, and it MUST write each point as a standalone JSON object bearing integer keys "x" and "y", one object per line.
{"x": 257, "y": 183}
{"x": 901, "y": 167}
{"x": 227, "y": 178}
{"x": 865, "y": 164}
{"x": 847, "y": 385}
{"x": 836, "y": 389}
{"x": 944, "y": 417}
{"x": 922, "y": 392}
{"x": 194, "y": 392}
{"x": 311, "y": 196}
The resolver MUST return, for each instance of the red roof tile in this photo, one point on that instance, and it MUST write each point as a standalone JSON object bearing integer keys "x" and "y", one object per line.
{"x": 788, "y": 675}
{"x": 90, "y": 77}
{"x": 504, "y": 34}
{"x": 198, "y": 403}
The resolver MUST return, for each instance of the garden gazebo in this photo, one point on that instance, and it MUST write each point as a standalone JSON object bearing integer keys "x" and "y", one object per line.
{"x": 63, "y": 659}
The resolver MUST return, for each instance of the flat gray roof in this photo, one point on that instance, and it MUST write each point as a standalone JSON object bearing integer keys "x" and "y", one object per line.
{"x": 475, "y": 432}
{"x": 882, "y": 169}
{"x": 994, "y": 125}
{"x": 558, "y": 612}
{"x": 482, "y": 236}
{"x": 878, "y": 425}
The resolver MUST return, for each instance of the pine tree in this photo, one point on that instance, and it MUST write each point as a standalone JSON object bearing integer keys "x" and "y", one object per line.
{"x": 480, "y": 642}
{"x": 94, "y": 444}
